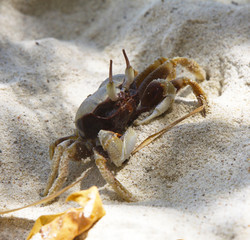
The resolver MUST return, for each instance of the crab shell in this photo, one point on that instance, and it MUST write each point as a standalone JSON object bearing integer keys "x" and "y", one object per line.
{"x": 85, "y": 117}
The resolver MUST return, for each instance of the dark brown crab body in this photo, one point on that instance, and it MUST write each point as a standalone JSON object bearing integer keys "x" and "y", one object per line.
{"x": 103, "y": 118}
{"x": 108, "y": 115}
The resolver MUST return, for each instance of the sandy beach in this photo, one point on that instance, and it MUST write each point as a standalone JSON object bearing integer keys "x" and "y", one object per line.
{"x": 191, "y": 183}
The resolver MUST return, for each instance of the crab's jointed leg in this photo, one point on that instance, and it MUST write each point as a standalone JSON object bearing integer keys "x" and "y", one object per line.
{"x": 168, "y": 70}
{"x": 156, "y": 90}
{"x": 197, "y": 90}
{"x": 59, "y": 167}
{"x": 65, "y": 151}
{"x": 53, "y": 146}
{"x": 156, "y": 135}
{"x": 101, "y": 163}
{"x": 151, "y": 68}
{"x": 192, "y": 66}
{"x": 159, "y": 87}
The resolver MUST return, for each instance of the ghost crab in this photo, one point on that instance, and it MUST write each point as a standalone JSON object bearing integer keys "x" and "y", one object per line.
{"x": 103, "y": 119}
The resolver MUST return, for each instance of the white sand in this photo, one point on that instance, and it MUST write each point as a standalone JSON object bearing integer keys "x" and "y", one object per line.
{"x": 193, "y": 183}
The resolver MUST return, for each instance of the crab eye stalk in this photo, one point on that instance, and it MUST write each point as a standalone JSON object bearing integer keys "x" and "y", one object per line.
{"x": 111, "y": 91}
{"x": 129, "y": 72}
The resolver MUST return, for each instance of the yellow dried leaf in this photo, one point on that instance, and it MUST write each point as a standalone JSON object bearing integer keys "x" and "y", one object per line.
{"x": 73, "y": 222}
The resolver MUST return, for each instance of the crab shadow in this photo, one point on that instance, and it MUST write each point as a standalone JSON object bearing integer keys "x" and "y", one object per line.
{"x": 194, "y": 162}
{"x": 94, "y": 177}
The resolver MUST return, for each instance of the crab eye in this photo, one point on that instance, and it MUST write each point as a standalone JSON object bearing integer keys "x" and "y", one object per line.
{"x": 111, "y": 90}
{"x": 129, "y": 72}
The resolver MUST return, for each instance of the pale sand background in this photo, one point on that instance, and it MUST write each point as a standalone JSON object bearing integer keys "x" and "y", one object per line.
{"x": 193, "y": 182}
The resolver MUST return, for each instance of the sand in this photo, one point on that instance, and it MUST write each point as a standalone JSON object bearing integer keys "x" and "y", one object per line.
{"x": 193, "y": 182}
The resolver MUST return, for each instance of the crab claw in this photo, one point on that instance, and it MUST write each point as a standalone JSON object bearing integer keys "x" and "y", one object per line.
{"x": 111, "y": 90}
{"x": 119, "y": 149}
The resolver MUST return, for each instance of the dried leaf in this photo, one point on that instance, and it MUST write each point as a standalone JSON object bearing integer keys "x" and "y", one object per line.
{"x": 74, "y": 221}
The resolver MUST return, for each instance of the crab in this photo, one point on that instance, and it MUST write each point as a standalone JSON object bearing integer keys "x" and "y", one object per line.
{"x": 104, "y": 119}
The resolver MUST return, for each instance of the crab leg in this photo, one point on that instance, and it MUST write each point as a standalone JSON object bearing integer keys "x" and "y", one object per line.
{"x": 155, "y": 91}
{"x": 192, "y": 66}
{"x": 168, "y": 70}
{"x": 141, "y": 76}
{"x": 197, "y": 90}
{"x": 101, "y": 163}
{"x": 69, "y": 149}
{"x": 58, "y": 141}
{"x": 59, "y": 167}
{"x": 156, "y": 135}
